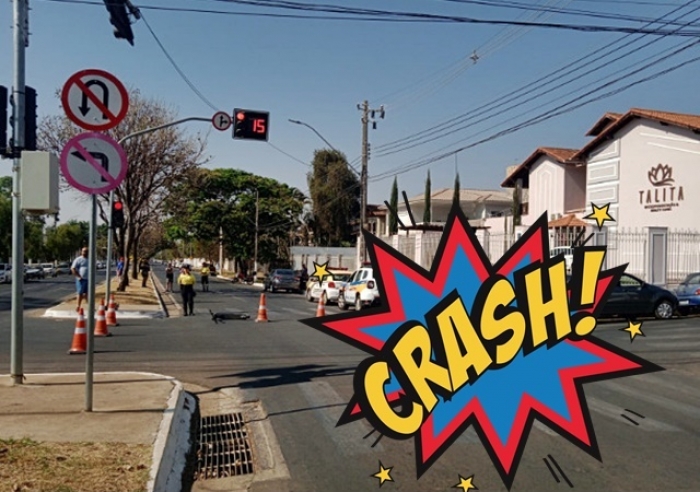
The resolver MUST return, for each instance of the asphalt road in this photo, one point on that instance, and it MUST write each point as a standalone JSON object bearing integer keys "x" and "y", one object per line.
{"x": 42, "y": 293}
{"x": 304, "y": 380}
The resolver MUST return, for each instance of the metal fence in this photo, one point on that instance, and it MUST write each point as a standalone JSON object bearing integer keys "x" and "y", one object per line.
{"x": 623, "y": 247}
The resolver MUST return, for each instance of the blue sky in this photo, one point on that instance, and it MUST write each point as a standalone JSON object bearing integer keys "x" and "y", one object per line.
{"x": 317, "y": 71}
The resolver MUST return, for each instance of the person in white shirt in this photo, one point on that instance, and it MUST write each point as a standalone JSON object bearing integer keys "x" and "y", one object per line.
{"x": 79, "y": 269}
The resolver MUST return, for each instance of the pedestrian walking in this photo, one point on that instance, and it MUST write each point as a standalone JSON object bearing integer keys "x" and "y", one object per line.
{"x": 120, "y": 268}
{"x": 169, "y": 275}
{"x": 145, "y": 269}
{"x": 186, "y": 281}
{"x": 80, "y": 268}
{"x": 204, "y": 275}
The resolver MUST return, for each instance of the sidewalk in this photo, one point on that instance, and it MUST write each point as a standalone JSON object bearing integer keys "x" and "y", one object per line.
{"x": 128, "y": 407}
{"x": 136, "y": 302}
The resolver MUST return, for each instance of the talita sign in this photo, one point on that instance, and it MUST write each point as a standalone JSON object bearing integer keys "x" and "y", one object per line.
{"x": 664, "y": 194}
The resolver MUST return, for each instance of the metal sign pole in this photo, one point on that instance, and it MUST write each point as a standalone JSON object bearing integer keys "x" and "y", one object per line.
{"x": 91, "y": 307}
{"x": 17, "y": 309}
{"x": 110, "y": 238}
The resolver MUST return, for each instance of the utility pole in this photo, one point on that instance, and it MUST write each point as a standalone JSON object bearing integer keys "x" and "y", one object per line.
{"x": 255, "y": 257}
{"x": 21, "y": 36}
{"x": 368, "y": 115}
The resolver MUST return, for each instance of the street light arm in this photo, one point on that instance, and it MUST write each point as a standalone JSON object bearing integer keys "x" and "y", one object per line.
{"x": 297, "y": 122}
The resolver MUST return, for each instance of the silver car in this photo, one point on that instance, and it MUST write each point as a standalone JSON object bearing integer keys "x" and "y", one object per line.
{"x": 282, "y": 279}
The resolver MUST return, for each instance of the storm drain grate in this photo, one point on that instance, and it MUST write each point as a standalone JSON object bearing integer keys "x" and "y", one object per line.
{"x": 223, "y": 449}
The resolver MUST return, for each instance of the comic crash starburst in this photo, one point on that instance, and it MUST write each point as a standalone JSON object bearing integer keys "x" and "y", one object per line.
{"x": 471, "y": 343}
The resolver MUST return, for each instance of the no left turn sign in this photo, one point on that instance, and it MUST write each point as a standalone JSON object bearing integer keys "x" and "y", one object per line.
{"x": 95, "y": 100}
{"x": 221, "y": 121}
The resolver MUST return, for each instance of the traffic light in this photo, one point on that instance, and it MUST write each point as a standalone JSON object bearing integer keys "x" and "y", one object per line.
{"x": 117, "y": 215}
{"x": 250, "y": 125}
{"x": 29, "y": 118}
{"x": 4, "y": 151}
{"x": 119, "y": 18}
{"x": 30, "y": 108}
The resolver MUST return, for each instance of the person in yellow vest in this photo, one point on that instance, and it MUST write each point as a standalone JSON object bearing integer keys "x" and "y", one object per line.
{"x": 204, "y": 274}
{"x": 186, "y": 282}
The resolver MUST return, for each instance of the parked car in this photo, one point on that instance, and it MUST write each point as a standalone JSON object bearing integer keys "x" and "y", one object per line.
{"x": 688, "y": 294}
{"x": 63, "y": 268}
{"x": 634, "y": 297}
{"x": 33, "y": 272}
{"x": 568, "y": 253}
{"x": 5, "y": 273}
{"x": 49, "y": 269}
{"x": 360, "y": 290}
{"x": 329, "y": 287}
{"x": 282, "y": 279}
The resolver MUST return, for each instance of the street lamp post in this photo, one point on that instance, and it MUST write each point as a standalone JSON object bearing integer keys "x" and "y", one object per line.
{"x": 362, "y": 176}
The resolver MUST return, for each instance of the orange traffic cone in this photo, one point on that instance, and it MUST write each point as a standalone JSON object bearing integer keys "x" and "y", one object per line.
{"x": 101, "y": 325}
{"x": 262, "y": 310}
{"x": 321, "y": 309}
{"x": 112, "y": 312}
{"x": 79, "y": 345}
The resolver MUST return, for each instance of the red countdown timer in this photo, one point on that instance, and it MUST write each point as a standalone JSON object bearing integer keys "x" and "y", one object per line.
{"x": 250, "y": 125}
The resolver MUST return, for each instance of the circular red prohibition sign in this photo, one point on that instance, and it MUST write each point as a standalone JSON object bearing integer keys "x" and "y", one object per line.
{"x": 94, "y": 100}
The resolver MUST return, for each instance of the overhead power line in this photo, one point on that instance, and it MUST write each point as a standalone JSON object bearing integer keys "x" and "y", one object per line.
{"x": 396, "y": 16}
{"x": 555, "y": 78}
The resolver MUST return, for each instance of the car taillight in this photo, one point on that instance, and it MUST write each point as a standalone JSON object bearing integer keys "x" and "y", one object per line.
{"x": 370, "y": 284}
{"x": 331, "y": 285}
{"x": 697, "y": 292}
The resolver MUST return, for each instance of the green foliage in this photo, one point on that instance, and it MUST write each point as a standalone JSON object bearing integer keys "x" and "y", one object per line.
{"x": 394, "y": 202}
{"x": 456, "y": 194}
{"x": 517, "y": 205}
{"x": 5, "y": 218}
{"x": 64, "y": 241}
{"x": 427, "y": 211}
{"x": 225, "y": 199}
{"x": 335, "y": 192}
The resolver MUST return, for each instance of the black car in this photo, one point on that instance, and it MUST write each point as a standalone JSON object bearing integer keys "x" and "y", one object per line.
{"x": 634, "y": 297}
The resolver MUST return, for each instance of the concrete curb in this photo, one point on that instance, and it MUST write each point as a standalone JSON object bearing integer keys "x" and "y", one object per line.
{"x": 172, "y": 442}
{"x": 158, "y": 296}
{"x": 68, "y": 314}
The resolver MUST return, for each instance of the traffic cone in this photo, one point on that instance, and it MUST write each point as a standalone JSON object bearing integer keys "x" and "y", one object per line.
{"x": 321, "y": 309}
{"x": 79, "y": 345}
{"x": 112, "y": 312}
{"x": 113, "y": 300}
{"x": 262, "y": 310}
{"x": 101, "y": 324}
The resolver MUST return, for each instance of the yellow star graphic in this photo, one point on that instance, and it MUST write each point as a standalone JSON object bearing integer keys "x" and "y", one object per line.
{"x": 320, "y": 270}
{"x": 600, "y": 214}
{"x": 465, "y": 484}
{"x": 633, "y": 329}
{"x": 383, "y": 474}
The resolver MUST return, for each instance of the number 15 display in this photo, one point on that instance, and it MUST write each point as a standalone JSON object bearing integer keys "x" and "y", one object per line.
{"x": 250, "y": 125}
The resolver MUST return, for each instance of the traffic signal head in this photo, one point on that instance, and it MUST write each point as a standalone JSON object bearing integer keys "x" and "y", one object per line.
{"x": 29, "y": 118}
{"x": 117, "y": 221}
{"x": 3, "y": 122}
{"x": 250, "y": 125}
{"x": 119, "y": 18}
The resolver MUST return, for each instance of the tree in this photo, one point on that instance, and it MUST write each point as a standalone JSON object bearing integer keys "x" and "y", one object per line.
{"x": 427, "y": 211}
{"x": 224, "y": 201}
{"x": 517, "y": 207}
{"x": 457, "y": 195}
{"x": 335, "y": 192}
{"x": 158, "y": 162}
{"x": 5, "y": 218}
{"x": 33, "y": 227}
{"x": 394, "y": 202}
{"x": 65, "y": 240}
